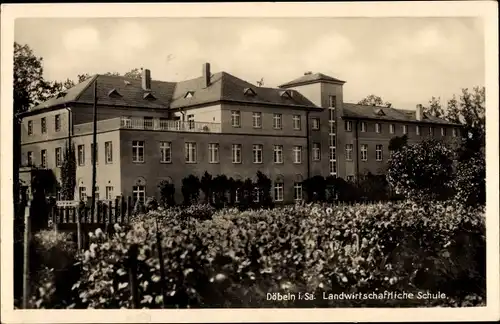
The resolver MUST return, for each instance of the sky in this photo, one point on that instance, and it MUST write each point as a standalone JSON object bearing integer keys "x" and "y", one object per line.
{"x": 406, "y": 61}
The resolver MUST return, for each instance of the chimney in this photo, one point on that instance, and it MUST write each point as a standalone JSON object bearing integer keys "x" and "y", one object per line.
{"x": 206, "y": 74}
{"x": 420, "y": 112}
{"x": 146, "y": 80}
{"x": 308, "y": 73}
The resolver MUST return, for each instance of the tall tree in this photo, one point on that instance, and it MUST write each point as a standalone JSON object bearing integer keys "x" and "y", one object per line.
{"x": 434, "y": 108}
{"x": 373, "y": 100}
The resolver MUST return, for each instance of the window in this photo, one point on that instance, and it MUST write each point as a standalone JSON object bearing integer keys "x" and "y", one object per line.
{"x": 331, "y": 113}
{"x": 190, "y": 119}
{"x": 348, "y": 151}
{"x": 236, "y": 150}
{"x": 316, "y": 151}
{"x": 43, "y": 155}
{"x": 278, "y": 191}
{"x": 166, "y": 152}
{"x": 364, "y": 152}
{"x": 96, "y": 151}
{"x": 44, "y": 125}
{"x": 417, "y": 130}
{"x": 315, "y": 123}
{"x": 431, "y": 131}
{"x": 148, "y": 122}
{"x": 109, "y": 192}
{"x": 257, "y": 153}
{"x": 378, "y": 152}
{"x": 391, "y": 128}
{"x": 58, "y": 156}
{"x": 257, "y": 120}
{"x": 139, "y": 193}
{"x": 213, "y": 153}
{"x": 296, "y": 122}
{"x": 235, "y": 118}
{"x": 82, "y": 192}
{"x": 332, "y": 154}
{"x": 96, "y": 193}
{"x": 297, "y": 191}
{"x": 277, "y": 121}
{"x": 278, "y": 153}
{"x": 30, "y": 127}
{"x": 331, "y": 127}
{"x": 333, "y": 167}
{"x": 297, "y": 154}
{"x": 378, "y": 128}
{"x": 190, "y": 152}
{"x": 163, "y": 123}
{"x": 81, "y": 155}
{"x": 30, "y": 158}
{"x": 454, "y": 132}
{"x": 332, "y": 102}
{"x": 108, "y": 148}
{"x": 363, "y": 127}
{"x": 348, "y": 125}
{"x": 57, "y": 122}
{"x": 405, "y": 129}
{"x": 443, "y": 131}
{"x": 237, "y": 195}
{"x": 138, "y": 151}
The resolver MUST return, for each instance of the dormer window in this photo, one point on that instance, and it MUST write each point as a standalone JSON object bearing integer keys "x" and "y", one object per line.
{"x": 249, "y": 92}
{"x": 379, "y": 112}
{"x": 189, "y": 94}
{"x": 286, "y": 94}
{"x": 149, "y": 95}
{"x": 114, "y": 93}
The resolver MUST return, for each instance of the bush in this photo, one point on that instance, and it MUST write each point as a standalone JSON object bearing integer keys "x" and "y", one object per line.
{"x": 470, "y": 181}
{"x": 235, "y": 258}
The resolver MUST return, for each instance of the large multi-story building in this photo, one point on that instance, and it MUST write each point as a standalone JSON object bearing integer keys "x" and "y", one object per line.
{"x": 149, "y": 131}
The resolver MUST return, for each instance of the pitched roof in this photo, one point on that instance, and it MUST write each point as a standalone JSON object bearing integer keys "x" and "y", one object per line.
{"x": 311, "y": 78}
{"x": 165, "y": 95}
{"x": 388, "y": 114}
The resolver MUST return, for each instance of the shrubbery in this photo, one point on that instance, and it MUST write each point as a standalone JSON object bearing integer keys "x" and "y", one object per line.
{"x": 235, "y": 258}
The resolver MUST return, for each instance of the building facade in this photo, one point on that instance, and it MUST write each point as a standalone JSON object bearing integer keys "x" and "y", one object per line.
{"x": 149, "y": 131}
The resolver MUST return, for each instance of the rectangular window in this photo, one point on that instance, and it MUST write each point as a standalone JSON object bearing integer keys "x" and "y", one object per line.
{"x": 315, "y": 123}
{"x": 190, "y": 152}
{"x": 378, "y": 128}
{"x": 331, "y": 140}
{"x": 333, "y": 167}
{"x": 363, "y": 127}
{"x": 138, "y": 151}
{"x": 213, "y": 153}
{"x": 405, "y": 129}
{"x": 148, "y": 122}
{"x": 297, "y": 154}
{"x": 30, "y": 158}
{"x": 277, "y": 121}
{"x": 278, "y": 153}
{"x": 81, "y": 155}
{"x": 316, "y": 151}
{"x": 257, "y": 153}
{"x": 190, "y": 119}
{"x": 166, "y": 152}
{"x": 297, "y": 191}
{"x": 348, "y": 125}
{"x": 235, "y": 118}
{"x": 332, "y": 102}
{"x": 257, "y": 120}
{"x": 109, "y": 192}
{"x": 454, "y": 132}
{"x": 57, "y": 122}
{"x": 92, "y": 152}
{"x": 297, "y": 122}
{"x": 443, "y": 131}
{"x": 43, "y": 155}
{"x": 58, "y": 156}
{"x": 30, "y": 127}
{"x": 391, "y": 128}
{"x": 364, "y": 152}
{"x": 139, "y": 193}
{"x": 331, "y": 125}
{"x": 431, "y": 131}
{"x": 236, "y": 152}
{"x": 331, "y": 114}
{"x": 417, "y": 130}
{"x": 333, "y": 153}
{"x": 82, "y": 192}
{"x": 348, "y": 151}
{"x": 96, "y": 193}
{"x": 108, "y": 147}
{"x": 44, "y": 125}
{"x": 378, "y": 152}
{"x": 278, "y": 191}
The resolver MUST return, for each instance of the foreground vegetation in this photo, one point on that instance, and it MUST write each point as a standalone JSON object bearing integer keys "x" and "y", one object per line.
{"x": 230, "y": 258}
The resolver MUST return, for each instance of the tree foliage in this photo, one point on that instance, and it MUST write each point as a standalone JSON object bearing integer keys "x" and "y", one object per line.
{"x": 470, "y": 181}
{"x": 373, "y": 100}
{"x": 190, "y": 189}
{"x": 398, "y": 142}
{"x": 167, "y": 193}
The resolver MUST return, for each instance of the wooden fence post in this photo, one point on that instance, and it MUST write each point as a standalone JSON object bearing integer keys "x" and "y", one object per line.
{"x": 132, "y": 272}
{"x": 123, "y": 209}
{"x": 76, "y": 211}
{"x": 116, "y": 210}
{"x": 26, "y": 265}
